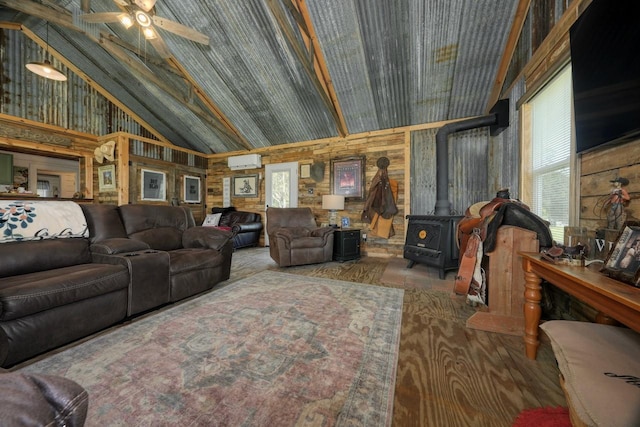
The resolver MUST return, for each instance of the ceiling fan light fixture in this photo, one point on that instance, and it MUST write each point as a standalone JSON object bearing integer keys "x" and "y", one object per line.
{"x": 142, "y": 18}
{"x": 126, "y": 20}
{"x": 149, "y": 33}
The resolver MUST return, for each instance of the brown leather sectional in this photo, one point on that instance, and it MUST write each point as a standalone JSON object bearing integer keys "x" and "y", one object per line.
{"x": 137, "y": 258}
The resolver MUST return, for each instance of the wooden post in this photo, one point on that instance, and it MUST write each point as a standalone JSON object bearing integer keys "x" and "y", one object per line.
{"x": 506, "y": 282}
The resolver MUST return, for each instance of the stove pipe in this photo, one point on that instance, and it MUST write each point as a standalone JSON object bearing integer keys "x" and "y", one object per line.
{"x": 498, "y": 119}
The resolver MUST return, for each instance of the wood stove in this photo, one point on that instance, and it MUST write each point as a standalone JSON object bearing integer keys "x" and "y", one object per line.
{"x": 431, "y": 240}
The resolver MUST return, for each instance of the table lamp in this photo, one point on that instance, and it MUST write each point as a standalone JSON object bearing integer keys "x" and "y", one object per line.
{"x": 333, "y": 203}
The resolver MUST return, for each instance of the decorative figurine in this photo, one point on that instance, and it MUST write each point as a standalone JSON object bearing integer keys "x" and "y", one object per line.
{"x": 617, "y": 199}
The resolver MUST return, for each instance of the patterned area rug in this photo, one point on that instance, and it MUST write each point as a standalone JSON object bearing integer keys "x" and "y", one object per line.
{"x": 274, "y": 349}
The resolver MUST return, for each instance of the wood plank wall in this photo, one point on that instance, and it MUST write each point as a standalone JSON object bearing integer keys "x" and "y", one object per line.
{"x": 598, "y": 168}
{"x": 45, "y": 140}
{"x": 391, "y": 144}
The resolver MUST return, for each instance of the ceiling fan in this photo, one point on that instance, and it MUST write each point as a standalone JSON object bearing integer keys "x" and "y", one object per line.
{"x": 143, "y": 13}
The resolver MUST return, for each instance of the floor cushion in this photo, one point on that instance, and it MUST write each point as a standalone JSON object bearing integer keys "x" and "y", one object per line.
{"x": 600, "y": 368}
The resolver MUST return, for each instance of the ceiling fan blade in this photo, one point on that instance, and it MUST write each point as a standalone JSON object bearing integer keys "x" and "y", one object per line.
{"x": 101, "y": 17}
{"x": 160, "y": 46}
{"x": 181, "y": 30}
{"x": 145, "y": 5}
{"x": 85, "y": 5}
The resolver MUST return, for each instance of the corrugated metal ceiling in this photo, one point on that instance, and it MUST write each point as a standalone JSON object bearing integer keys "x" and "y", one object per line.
{"x": 390, "y": 64}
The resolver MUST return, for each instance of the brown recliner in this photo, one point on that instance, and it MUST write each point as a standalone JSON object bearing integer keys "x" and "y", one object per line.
{"x": 296, "y": 239}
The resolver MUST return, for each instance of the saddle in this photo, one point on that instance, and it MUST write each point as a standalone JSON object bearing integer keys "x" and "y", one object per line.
{"x": 481, "y": 222}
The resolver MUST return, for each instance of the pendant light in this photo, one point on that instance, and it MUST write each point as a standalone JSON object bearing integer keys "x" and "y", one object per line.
{"x": 45, "y": 68}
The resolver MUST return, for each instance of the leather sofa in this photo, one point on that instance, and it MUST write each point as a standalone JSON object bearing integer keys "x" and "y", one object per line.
{"x": 296, "y": 239}
{"x": 46, "y": 287}
{"x": 41, "y": 400}
{"x": 168, "y": 256}
{"x": 136, "y": 257}
{"x": 245, "y": 226}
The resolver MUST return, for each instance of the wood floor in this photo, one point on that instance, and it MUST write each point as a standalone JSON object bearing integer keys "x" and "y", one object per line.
{"x": 448, "y": 374}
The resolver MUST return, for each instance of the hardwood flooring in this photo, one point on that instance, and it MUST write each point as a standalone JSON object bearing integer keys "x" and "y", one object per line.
{"x": 448, "y": 374}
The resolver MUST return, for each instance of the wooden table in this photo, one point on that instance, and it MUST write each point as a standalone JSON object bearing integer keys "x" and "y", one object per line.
{"x": 612, "y": 298}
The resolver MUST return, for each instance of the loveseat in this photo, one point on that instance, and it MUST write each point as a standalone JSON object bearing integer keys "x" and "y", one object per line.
{"x": 168, "y": 256}
{"x": 94, "y": 267}
{"x": 245, "y": 226}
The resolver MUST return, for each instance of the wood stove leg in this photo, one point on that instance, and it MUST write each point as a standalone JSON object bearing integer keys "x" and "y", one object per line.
{"x": 411, "y": 263}
{"x": 532, "y": 311}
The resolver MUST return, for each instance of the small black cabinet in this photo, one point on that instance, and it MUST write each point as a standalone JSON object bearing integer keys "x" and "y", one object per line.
{"x": 346, "y": 244}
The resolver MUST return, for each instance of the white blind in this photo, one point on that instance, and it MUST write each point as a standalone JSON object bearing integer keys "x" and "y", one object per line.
{"x": 551, "y": 151}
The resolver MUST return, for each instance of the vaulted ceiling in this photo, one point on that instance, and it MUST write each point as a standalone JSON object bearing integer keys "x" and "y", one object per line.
{"x": 281, "y": 71}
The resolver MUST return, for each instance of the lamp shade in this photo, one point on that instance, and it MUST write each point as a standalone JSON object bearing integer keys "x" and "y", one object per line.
{"x": 333, "y": 202}
{"x": 46, "y": 69}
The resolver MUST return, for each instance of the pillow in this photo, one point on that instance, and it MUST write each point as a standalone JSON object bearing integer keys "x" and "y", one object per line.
{"x": 601, "y": 370}
{"x": 39, "y": 220}
{"x": 212, "y": 220}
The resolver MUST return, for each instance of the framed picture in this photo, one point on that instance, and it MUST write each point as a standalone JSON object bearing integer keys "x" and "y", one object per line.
{"x": 191, "y": 189}
{"x": 623, "y": 262}
{"x": 305, "y": 171}
{"x": 107, "y": 178}
{"x": 245, "y": 186}
{"x": 347, "y": 177}
{"x": 153, "y": 185}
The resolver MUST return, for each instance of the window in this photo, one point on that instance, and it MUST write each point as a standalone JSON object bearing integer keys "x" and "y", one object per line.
{"x": 550, "y": 153}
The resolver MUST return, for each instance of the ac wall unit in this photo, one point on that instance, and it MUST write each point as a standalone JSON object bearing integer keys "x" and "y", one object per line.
{"x": 248, "y": 161}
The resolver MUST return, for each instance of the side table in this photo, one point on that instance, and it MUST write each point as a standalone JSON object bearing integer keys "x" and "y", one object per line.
{"x": 346, "y": 244}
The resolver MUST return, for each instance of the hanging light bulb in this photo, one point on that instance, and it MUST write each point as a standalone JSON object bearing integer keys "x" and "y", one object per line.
{"x": 125, "y": 20}
{"x": 149, "y": 33}
{"x": 45, "y": 68}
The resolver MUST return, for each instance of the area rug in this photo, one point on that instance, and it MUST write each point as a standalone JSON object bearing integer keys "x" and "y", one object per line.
{"x": 273, "y": 349}
{"x": 543, "y": 417}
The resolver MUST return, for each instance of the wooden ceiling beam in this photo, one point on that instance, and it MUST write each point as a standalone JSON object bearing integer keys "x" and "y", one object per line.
{"x": 148, "y": 76}
{"x": 507, "y": 54}
{"x": 320, "y": 81}
{"x": 212, "y": 106}
{"x": 320, "y": 65}
{"x": 65, "y": 19}
{"x": 53, "y": 15}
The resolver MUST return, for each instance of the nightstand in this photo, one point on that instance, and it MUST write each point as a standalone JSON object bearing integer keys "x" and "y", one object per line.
{"x": 346, "y": 244}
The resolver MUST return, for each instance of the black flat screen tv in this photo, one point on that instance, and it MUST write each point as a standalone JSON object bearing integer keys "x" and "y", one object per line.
{"x": 605, "y": 61}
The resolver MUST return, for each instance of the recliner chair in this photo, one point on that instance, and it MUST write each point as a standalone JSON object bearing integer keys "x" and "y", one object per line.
{"x": 296, "y": 239}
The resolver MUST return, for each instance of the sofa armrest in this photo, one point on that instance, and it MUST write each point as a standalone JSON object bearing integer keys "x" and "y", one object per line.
{"x": 246, "y": 227}
{"x": 34, "y": 399}
{"x": 118, "y": 245}
{"x": 205, "y": 237}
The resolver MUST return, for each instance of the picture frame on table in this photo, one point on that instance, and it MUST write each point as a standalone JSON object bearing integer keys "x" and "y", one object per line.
{"x": 623, "y": 261}
{"x": 348, "y": 177}
{"x": 245, "y": 186}
{"x": 107, "y": 178}
{"x": 191, "y": 189}
{"x": 153, "y": 185}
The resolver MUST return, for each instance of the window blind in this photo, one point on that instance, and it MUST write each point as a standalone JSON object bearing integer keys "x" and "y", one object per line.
{"x": 551, "y": 152}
